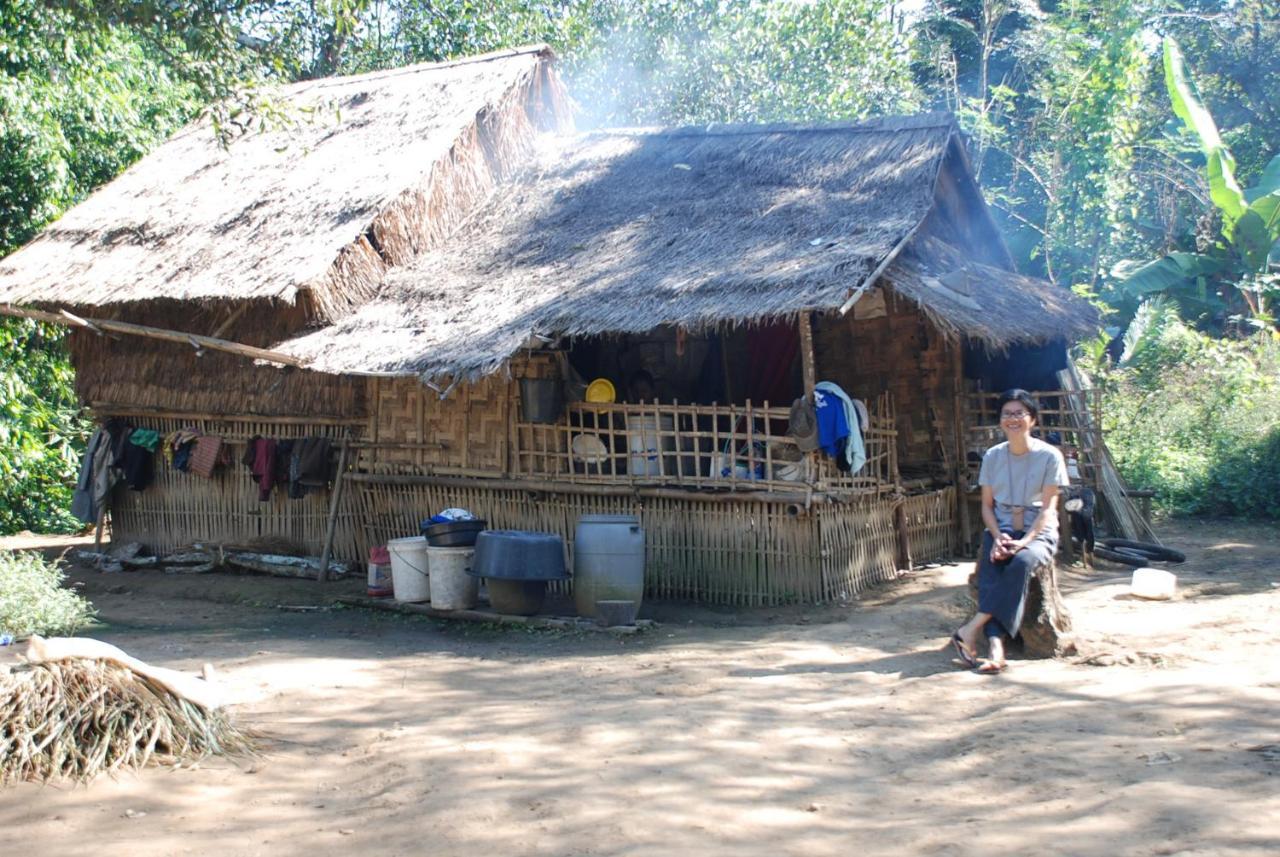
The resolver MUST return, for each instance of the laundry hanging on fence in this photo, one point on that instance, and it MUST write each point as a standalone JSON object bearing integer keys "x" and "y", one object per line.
{"x": 841, "y": 426}
{"x": 177, "y": 447}
{"x": 139, "y": 458}
{"x": 148, "y": 439}
{"x": 93, "y": 485}
{"x": 207, "y": 453}
{"x": 119, "y": 430}
{"x": 286, "y": 467}
{"x": 260, "y": 456}
{"x": 313, "y": 461}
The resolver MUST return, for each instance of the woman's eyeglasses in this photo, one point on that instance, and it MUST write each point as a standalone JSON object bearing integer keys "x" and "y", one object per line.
{"x": 1014, "y": 415}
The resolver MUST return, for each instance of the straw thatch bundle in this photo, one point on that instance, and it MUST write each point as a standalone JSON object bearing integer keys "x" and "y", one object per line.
{"x": 370, "y": 170}
{"x": 964, "y": 297}
{"x": 621, "y": 231}
{"x": 76, "y": 719}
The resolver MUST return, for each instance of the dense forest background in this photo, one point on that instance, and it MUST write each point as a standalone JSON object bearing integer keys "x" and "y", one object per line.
{"x": 1098, "y": 184}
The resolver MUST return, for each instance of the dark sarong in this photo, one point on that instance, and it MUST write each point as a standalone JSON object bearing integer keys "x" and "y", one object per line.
{"x": 1002, "y": 586}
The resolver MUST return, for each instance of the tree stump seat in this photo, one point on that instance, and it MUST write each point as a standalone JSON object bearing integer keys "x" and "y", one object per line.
{"x": 1046, "y": 622}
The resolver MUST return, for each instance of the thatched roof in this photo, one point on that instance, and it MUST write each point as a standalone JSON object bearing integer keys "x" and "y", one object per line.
{"x": 622, "y": 231}
{"x": 984, "y": 303}
{"x": 324, "y": 206}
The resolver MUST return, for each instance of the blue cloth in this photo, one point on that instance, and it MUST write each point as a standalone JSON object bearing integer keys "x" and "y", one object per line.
{"x": 845, "y": 426}
{"x": 833, "y": 422}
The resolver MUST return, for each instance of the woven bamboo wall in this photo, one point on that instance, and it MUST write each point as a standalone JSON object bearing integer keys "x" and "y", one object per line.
{"x": 179, "y": 508}
{"x": 415, "y": 431}
{"x": 745, "y": 554}
{"x": 902, "y": 354}
{"x": 932, "y": 528}
{"x": 859, "y": 546}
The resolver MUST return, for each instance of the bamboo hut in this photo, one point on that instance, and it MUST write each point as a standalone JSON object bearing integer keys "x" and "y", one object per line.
{"x": 434, "y": 274}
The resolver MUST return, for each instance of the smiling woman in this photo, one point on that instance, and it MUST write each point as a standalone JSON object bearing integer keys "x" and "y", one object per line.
{"x": 1020, "y": 479}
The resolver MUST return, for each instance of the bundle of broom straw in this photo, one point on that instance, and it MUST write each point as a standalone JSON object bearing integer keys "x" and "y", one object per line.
{"x": 76, "y": 719}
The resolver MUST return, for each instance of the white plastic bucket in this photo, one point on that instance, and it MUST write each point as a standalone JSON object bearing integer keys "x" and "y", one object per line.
{"x": 646, "y": 443}
{"x": 409, "y": 571}
{"x": 1154, "y": 583}
{"x": 452, "y": 588}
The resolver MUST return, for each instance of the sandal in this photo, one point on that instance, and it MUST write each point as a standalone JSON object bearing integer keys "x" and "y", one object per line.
{"x": 957, "y": 642}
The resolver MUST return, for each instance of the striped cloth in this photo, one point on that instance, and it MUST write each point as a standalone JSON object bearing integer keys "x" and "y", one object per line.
{"x": 204, "y": 458}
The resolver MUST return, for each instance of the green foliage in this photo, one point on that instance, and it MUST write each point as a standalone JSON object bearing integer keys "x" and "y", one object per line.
{"x": 75, "y": 113}
{"x": 79, "y": 102}
{"x": 1195, "y": 418}
{"x": 657, "y": 62}
{"x": 33, "y": 599}
{"x": 1051, "y": 94}
{"x": 1220, "y": 164}
{"x": 42, "y": 434}
{"x": 637, "y": 61}
{"x": 1237, "y": 263}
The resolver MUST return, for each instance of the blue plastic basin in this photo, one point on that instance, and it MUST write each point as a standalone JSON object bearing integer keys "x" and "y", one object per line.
{"x": 519, "y": 555}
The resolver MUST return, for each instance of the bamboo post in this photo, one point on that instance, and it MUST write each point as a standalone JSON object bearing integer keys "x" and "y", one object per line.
{"x": 724, "y": 367}
{"x": 807, "y": 363}
{"x": 962, "y": 465}
{"x": 97, "y": 532}
{"x": 904, "y": 538}
{"x": 323, "y": 574}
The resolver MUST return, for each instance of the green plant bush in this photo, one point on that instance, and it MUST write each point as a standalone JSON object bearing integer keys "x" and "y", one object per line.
{"x": 33, "y": 599}
{"x": 1195, "y": 418}
{"x": 42, "y": 433}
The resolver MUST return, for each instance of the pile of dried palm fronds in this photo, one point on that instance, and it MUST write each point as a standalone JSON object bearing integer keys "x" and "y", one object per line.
{"x": 78, "y": 718}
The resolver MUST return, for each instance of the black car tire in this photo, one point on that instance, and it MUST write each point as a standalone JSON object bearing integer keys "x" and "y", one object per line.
{"x": 1157, "y": 553}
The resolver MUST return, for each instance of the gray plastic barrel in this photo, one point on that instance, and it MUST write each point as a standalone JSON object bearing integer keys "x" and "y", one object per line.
{"x": 608, "y": 561}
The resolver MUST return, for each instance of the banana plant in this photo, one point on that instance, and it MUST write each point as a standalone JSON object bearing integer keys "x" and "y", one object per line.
{"x": 1245, "y": 258}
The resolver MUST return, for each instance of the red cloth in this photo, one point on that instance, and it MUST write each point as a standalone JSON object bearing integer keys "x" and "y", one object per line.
{"x": 204, "y": 457}
{"x": 264, "y": 466}
{"x": 772, "y": 350}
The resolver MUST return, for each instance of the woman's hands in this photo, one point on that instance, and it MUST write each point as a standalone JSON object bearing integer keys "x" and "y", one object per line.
{"x": 1005, "y": 546}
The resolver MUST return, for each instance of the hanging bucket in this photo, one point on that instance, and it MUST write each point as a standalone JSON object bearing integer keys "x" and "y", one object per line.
{"x": 409, "y": 572}
{"x": 541, "y": 399}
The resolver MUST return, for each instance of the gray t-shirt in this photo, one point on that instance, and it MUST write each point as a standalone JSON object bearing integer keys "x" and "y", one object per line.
{"x": 1020, "y": 480}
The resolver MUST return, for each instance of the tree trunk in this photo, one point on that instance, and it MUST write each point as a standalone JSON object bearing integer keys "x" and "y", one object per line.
{"x": 1046, "y": 623}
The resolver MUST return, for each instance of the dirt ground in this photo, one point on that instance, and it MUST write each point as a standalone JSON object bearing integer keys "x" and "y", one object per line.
{"x": 830, "y": 731}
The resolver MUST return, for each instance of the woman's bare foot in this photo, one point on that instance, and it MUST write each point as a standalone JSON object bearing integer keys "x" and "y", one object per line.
{"x": 995, "y": 662}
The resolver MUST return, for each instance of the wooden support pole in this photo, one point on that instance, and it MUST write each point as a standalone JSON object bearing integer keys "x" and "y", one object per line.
{"x": 904, "y": 538}
{"x": 101, "y": 325}
{"x": 331, "y": 528}
{"x": 724, "y": 366}
{"x": 807, "y": 363}
{"x": 541, "y": 485}
{"x": 116, "y": 409}
{"x": 961, "y": 469}
{"x": 97, "y": 530}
